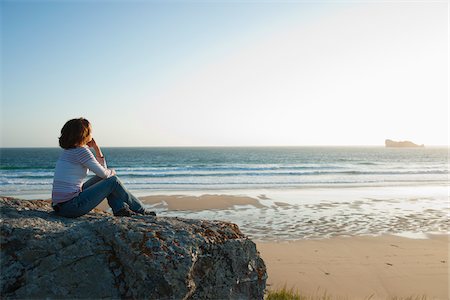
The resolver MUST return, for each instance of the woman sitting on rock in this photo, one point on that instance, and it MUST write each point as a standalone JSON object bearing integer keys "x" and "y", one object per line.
{"x": 73, "y": 198}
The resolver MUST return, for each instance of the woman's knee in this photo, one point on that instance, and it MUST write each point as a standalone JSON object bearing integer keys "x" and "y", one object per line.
{"x": 113, "y": 178}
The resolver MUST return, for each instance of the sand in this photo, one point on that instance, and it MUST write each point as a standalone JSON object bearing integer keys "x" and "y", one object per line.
{"x": 193, "y": 203}
{"x": 360, "y": 267}
{"x": 197, "y": 203}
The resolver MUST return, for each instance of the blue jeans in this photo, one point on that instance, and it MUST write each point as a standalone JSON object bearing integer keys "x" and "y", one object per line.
{"x": 94, "y": 191}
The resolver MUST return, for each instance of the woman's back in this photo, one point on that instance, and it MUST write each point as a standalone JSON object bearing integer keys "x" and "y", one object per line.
{"x": 69, "y": 174}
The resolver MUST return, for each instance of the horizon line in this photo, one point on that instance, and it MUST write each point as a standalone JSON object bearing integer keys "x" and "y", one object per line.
{"x": 233, "y": 146}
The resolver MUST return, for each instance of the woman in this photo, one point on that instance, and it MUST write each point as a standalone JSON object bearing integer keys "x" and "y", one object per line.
{"x": 70, "y": 197}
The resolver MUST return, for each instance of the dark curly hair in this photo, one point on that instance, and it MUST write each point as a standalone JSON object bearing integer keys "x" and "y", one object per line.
{"x": 74, "y": 133}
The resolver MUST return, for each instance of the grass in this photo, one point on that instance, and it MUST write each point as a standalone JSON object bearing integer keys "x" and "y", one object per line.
{"x": 289, "y": 294}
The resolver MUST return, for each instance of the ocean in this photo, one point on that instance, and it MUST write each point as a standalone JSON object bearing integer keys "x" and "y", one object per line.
{"x": 28, "y": 172}
{"x": 303, "y": 192}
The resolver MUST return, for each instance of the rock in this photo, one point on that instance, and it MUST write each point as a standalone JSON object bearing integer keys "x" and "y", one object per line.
{"x": 100, "y": 256}
{"x": 402, "y": 144}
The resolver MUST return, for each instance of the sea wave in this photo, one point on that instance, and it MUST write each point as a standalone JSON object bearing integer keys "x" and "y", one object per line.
{"x": 261, "y": 174}
{"x": 30, "y": 168}
{"x": 190, "y": 168}
{"x": 234, "y": 173}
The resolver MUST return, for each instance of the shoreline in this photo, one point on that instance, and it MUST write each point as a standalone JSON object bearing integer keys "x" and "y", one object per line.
{"x": 286, "y": 215}
{"x": 307, "y": 189}
{"x": 312, "y": 214}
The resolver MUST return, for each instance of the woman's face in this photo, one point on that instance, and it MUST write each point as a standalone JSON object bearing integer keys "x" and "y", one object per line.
{"x": 88, "y": 138}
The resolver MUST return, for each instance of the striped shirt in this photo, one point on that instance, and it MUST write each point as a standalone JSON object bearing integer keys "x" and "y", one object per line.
{"x": 72, "y": 168}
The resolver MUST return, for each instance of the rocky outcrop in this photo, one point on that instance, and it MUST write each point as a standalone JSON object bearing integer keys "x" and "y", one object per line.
{"x": 141, "y": 257}
{"x": 402, "y": 144}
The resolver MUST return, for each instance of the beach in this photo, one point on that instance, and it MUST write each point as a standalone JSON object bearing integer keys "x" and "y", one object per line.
{"x": 377, "y": 263}
{"x": 352, "y": 222}
{"x": 360, "y": 267}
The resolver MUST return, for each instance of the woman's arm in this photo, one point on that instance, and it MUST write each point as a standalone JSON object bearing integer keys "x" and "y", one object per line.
{"x": 88, "y": 160}
{"x": 98, "y": 152}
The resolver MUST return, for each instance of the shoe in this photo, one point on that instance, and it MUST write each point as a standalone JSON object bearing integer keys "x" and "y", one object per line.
{"x": 123, "y": 212}
{"x": 147, "y": 212}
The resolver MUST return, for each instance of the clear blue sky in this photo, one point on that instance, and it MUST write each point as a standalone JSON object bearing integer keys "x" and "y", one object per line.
{"x": 194, "y": 73}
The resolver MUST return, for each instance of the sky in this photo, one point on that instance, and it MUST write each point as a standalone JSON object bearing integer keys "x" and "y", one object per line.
{"x": 225, "y": 73}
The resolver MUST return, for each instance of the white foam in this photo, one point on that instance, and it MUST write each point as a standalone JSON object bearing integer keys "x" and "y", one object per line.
{"x": 413, "y": 235}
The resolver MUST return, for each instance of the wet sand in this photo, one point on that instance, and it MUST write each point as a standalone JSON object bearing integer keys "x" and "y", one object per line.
{"x": 193, "y": 203}
{"x": 295, "y": 215}
{"x": 197, "y": 203}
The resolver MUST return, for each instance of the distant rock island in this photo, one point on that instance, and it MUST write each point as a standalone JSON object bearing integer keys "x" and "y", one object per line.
{"x": 402, "y": 144}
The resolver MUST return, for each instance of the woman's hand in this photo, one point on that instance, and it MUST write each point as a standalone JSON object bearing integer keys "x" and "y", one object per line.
{"x": 92, "y": 144}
